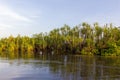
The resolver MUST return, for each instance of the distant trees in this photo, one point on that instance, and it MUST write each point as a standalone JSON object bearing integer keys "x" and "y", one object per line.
{"x": 82, "y": 39}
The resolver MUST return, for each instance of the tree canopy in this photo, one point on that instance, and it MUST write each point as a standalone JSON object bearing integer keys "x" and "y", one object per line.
{"x": 84, "y": 39}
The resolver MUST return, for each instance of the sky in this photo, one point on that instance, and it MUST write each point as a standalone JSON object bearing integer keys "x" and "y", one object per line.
{"x": 27, "y": 17}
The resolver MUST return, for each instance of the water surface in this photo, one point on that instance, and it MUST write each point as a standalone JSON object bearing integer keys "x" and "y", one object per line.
{"x": 59, "y": 67}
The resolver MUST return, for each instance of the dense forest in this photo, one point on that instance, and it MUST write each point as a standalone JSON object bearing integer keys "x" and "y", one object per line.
{"x": 84, "y": 39}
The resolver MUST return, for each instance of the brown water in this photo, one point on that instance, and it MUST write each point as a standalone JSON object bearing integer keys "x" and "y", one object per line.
{"x": 61, "y": 67}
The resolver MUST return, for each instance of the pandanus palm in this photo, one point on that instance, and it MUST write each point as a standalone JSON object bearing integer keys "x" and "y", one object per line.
{"x": 86, "y": 32}
{"x": 65, "y": 30}
{"x": 98, "y": 32}
{"x": 85, "y": 38}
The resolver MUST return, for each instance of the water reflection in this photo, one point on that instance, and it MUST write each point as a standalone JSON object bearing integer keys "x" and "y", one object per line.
{"x": 61, "y": 67}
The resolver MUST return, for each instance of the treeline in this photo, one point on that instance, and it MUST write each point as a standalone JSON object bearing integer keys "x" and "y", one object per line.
{"x": 83, "y": 39}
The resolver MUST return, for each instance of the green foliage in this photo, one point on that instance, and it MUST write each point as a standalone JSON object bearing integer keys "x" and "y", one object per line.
{"x": 83, "y": 39}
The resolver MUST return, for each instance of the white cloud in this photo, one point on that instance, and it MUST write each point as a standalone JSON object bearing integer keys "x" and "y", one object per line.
{"x": 10, "y": 21}
{"x": 3, "y": 26}
{"x": 7, "y": 12}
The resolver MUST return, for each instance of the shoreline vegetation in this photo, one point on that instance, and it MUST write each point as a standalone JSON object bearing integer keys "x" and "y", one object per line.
{"x": 84, "y": 39}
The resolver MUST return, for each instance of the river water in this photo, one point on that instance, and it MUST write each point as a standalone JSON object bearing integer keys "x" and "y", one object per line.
{"x": 59, "y": 67}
